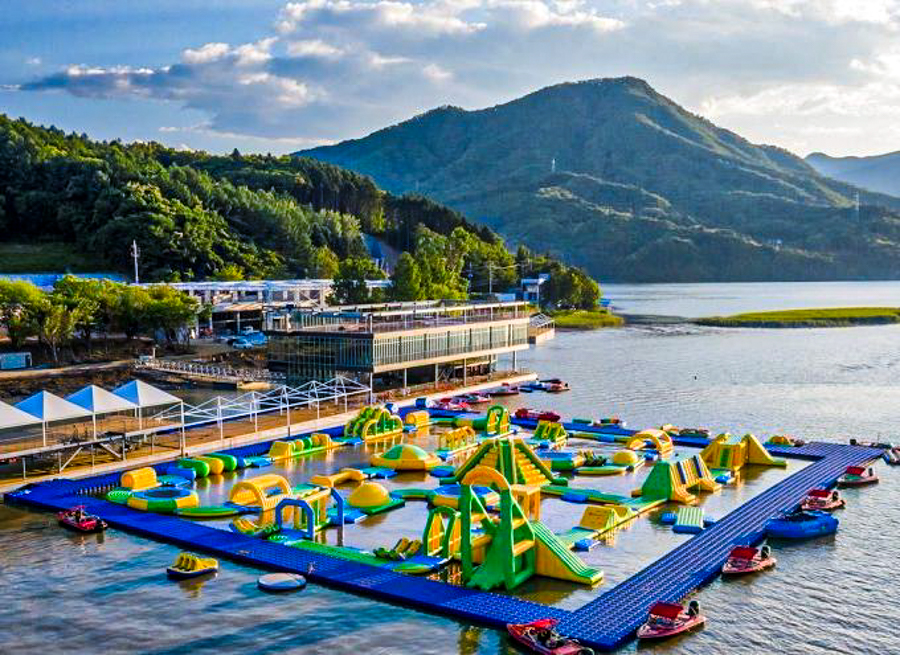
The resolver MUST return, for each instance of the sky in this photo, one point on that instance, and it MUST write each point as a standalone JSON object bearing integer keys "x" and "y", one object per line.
{"x": 266, "y": 76}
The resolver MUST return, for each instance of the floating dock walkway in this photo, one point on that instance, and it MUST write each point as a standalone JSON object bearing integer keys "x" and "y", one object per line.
{"x": 606, "y": 623}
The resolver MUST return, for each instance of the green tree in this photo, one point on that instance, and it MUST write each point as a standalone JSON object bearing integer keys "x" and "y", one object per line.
{"x": 406, "y": 282}
{"x": 83, "y": 297}
{"x": 350, "y": 282}
{"x": 19, "y": 304}
{"x": 170, "y": 311}
{"x": 56, "y": 323}
{"x": 129, "y": 310}
{"x": 230, "y": 273}
{"x": 323, "y": 264}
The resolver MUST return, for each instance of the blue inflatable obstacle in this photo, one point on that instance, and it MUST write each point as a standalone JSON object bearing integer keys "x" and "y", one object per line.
{"x": 802, "y": 525}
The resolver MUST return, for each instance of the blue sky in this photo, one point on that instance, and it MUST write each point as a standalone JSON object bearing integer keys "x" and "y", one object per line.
{"x": 278, "y": 76}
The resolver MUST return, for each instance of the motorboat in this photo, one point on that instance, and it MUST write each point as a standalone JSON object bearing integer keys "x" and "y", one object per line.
{"x": 669, "y": 619}
{"x": 824, "y": 500}
{"x": 857, "y": 476}
{"x": 802, "y": 524}
{"x": 541, "y": 637}
{"x": 747, "y": 559}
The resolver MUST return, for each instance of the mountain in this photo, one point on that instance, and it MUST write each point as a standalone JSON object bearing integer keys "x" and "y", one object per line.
{"x": 877, "y": 173}
{"x": 610, "y": 175}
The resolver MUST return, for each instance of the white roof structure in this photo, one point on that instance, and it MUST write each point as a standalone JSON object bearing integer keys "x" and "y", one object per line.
{"x": 100, "y": 401}
{"x": 13, "y": 417}
{"x": 144, "y": 395}
{"x": 49, "y": 407}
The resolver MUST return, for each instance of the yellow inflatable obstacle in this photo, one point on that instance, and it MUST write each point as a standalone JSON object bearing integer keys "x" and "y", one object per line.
{"x": 373, "y": 423}
{"x": 676, "y": 479}
{"x": 555, "y": 433}
{"x": 344, "y": 475}
{"x": 263, "y": 491}
{"x": 418, "y": 419}
{"x": 733, "y": 453}
{"x": 313, "y": 443}
{"x": 139, "y": 479}
{"x": 406, "y": 457}
{"x": 658, "y": 440}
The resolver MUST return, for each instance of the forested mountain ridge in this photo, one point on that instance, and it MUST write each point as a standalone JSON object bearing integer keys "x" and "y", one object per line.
{"x": 610, "y": 175}
{"x": 879, "y": 173}
{"x": 197, "y": 216}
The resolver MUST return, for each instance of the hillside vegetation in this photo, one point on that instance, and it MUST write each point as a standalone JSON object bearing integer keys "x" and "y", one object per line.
{"x": 610, "y": 175}
{"x": 200, "y": 216}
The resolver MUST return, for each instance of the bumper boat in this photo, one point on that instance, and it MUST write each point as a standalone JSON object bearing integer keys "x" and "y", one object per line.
{"x": 80, "y": 521}
{"x": 823, "y": 500}
{"x": 892, "y": 456}
{"x": 541, "y": 637}
{"x": 188, "y": 565}
{"x": 857, "y": 476}
{"x": 802, "y": 525}
{"x": 537, "y": 415}
{"x": 746, "y": 559}
{"x": 669, "y": 619}
{"x": 504, "y": 390}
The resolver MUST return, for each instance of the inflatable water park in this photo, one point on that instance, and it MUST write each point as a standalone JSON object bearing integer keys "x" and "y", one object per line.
{"x": 468, "y": 513}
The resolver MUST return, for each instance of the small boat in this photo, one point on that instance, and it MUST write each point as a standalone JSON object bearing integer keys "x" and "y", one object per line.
{"x": 803, "y": 524}
{"x": 80, "y": 521}
{"x": 189, "y": 565}
{"x": 668, "y": 619}
{"x": 555, "y": 385}
{"x": 541, "y": 637}
{"x": 824, "y": 500}
{"x": 892, "y": 456}
{"x": 857, "y": 476}
{"x": 504, "y": 390}
{"x": 746, "y": 559}
{"x": 473, "y": 399}
{"x": 537, "y": 415}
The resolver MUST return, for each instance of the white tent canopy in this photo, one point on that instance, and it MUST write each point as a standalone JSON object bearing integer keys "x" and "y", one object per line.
{"x": 100, "y": 401}
{"x": 49, "y": 407}
{"x": 13, "y": 417}
{"x": 144, "y": 395}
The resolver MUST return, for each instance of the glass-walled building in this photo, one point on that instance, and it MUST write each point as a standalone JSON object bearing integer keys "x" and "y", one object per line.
{"x": 387, "y": 344}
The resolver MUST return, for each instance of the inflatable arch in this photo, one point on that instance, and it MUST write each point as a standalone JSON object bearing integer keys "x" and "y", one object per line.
{"x": 263, "y": 491}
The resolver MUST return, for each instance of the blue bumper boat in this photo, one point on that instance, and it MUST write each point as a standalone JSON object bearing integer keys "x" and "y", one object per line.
{"x": 803, "y": 524}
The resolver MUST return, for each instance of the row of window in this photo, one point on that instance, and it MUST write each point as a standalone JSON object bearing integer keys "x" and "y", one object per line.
{"x": 394, "y": 350}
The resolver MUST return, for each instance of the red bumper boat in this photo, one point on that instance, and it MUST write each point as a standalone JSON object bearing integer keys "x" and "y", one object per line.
{"x": 541, "y": 637}
{"x": 670, "y": 619}
{"x": 80, "y": 521}
{"x": 746, "y": 559}
{"x": 857, "y": 476}
{"x": 823, "y": 500}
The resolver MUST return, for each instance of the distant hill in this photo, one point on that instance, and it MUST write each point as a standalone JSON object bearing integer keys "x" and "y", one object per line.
{"x": 610, "y": 175}
{"x": 877, "y": 173}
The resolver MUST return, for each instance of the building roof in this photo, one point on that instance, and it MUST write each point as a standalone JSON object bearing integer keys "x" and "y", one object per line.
{"x": 99, "y": 400}
{"x": 13, "y": 417}
{"x": 50, "y": 407}
{"x": 144, "y": 395}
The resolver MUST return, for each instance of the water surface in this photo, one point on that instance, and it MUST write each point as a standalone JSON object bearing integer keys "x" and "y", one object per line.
{"x": 835, "y": 595}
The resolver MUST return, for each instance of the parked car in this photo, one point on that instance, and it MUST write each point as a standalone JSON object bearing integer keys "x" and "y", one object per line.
{"x": 242, "y": 343}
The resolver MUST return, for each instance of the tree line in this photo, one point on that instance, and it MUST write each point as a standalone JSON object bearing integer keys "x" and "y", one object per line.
{"x": 201, "y": 216}
{"x": 80, "y": 307}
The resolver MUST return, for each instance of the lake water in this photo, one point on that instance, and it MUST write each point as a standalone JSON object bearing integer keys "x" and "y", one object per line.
{"x": 836, "y": 595}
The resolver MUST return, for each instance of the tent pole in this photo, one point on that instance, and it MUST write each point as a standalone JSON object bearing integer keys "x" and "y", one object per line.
{"x": 44, "y": 432}
{"x": 219, "y": 413}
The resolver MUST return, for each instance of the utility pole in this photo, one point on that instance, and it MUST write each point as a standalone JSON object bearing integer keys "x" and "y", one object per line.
{"x": 135, "y": 252}
{"x": 857, "y": 206}
{"x": 490, "y": 278}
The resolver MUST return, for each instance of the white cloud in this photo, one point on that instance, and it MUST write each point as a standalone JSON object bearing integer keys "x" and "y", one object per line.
{"x": 339, "y": 68}
{"x": 33, "y": 61}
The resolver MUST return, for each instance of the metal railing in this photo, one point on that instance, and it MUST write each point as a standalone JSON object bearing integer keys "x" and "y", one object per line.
{"x": 217, "y": 371}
